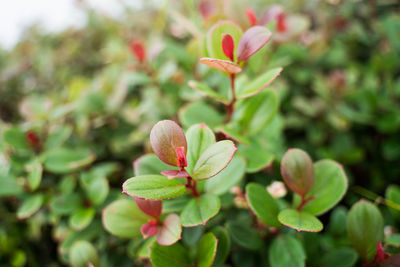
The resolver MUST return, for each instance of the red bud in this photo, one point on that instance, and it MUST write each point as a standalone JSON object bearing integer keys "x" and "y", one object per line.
{"x": 181, "y": 157}
{"x": 138, "y": 50}
{"x": 380, "y": 254}
{"x": 149, "y": 229}
{"x": 281, "y": 25}
{"x": 252, "y": 17}
{"x": 33, "y": 140}
{"x": 228, "y": 46}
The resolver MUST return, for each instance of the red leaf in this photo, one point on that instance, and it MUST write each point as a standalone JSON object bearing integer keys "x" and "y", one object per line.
{"x": 271, "y": 14}
{"x": 252, "y": 41}
{"x": 181, "y": 156}
{"x": 281, "y": 25}
{"x": 151, "y": 207}
{"x": 220, "y": 64}
{"x": 252, "y": 17}
{"x": 171, "y": 174}
{"x": 228, "y": 46}
{"x": 380, "y": 255}
{"x": 165, "y": 137}
{"x": 149, "y": 229}
{"x": 138, "y": 50}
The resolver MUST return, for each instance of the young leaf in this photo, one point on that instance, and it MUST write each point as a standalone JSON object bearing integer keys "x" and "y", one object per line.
{"x": 297, "y": 171}
{"x": 285, "y": 250}
{"x": 171, "y": 174}
{"x": 214, "y": 159}
{"x": 199, "y": 137}
{"x": 252, "y": 40}
{"x": 30, "y": 206}
{"x": 228, "y": 46}
{"x": 206, "y": 250}
{"x": 153, "y": 187}
{"x": 149, "y": 229}
{"x": 123, "y": 218}
{"x": 262, "y": 204}
{"x": 149, "y": 164}
{"x": 165, "y": 137}
{"x": 259, "y": 84}
{"x": 329, "y": 187}
{"x": 149, "y": 206}
{"x": 251, "y": 17}
{"x": 83, "y": 253}
{"x": 81, "y": 218}
{"x": 244, "y": 235}
{"x": 169, "y": 256}
{"x": 170, "y": 231}
{"x": 301, "y": 221}
{"x": 207, "y": 91}
{"x": 364, "y": 228}
{"x": 200, "y": 210}
{"x": 220, "y": 64}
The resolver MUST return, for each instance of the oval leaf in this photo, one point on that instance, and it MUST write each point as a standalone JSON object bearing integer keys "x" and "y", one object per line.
{"x": 153, "y": 187}
{"x": 65, "y": 160}
{"x": 214, "y": 159}
{"x": 165, "y": 137}
{"x": 259, "y": 84}
{"x": 170, "y": 231}
{"x": 207, "y": 91}
{"x": 244, "y": 235}
{"x": 286, "y": 251}
{"x": 301, "y": 221}
{"x": 252, "y": 40}
{"x": 220, "y": 64}
{"x": 149, "y": 164}
{"x": 224, "y": 245}
{"x": 262, "y": 204}
{"x": 206, "y": 250}
{"x": 169, "y": 256}
{"x": 30, "y": 206}
{"x": 200, "y": 210}
{"x": 149, "y": 206}
{"x": 83, "y": 254}
{"x": 81, "y": 218}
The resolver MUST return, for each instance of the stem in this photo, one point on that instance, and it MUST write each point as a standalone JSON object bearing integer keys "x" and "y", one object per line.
{"x": 192, "y": 185}
{"x": 230, "y": 108}
{"x": 304, "y": 201}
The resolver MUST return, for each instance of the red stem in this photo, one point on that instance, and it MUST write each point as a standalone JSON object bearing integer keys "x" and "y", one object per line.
{"x": 192, "y": 185}
{"x": 230, "y": 108}
{"x": 304, "y": 201}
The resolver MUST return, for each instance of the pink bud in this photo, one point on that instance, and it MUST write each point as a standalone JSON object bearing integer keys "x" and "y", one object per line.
{"x": 228, "y": 45}
{"x": 181, "y": 157}
{"x": 138, "y": 50}
{"x": 281, "y": 25}
{"x": 252, "y": 17}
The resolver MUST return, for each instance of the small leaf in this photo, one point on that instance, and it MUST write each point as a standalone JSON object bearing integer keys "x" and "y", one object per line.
{"x": 297, "y": 171}
{"x": 200, "y": 210}
{"x": 64, "y": 160}
{"x": 220, "y": 64}
{"x": 149, "y": 229}
{"x": 30, "y": 206}
{"x": 123, "y": 218}
{"x": 206, "y": 250}
{"x": 262, "y": 204}
{"x": 286, "y": 250}
{"x": 171, "y": 174}
{"x": 97, "y": 190}
{"x": 35, "y": 175}
{"x": 301, "y": 221}
{"x": 244, "y": 235}
{"x": 365, "y": 228}
{"x": 153, "y": 187}
{"x": 199, "y": 138}
{"x": 170, "y": 231}
{"x": 150, "y": 207}
{"x": 83, "y": 254}
{"x": 16, "y": 138}
{"x": 149, "y": 164}
{"x": 251, "y": 17}
{"x": 214, "y": 159}
{"x": 81, "y": 218}
{"x": 258, "y": 84}
{"x": 393, "y": 194}
{"x": 66, "y": 204}
{"x": 252, "y": 40}
{"x": 207, "y": 91}
{"x": 170, "y": 256}
{"x": 165, "y": 137}
{"x": 227, "y": 178}
{"x": 224, "y": 244}
{"x": 228, "y": 46}
{"x": 393, "y": 240}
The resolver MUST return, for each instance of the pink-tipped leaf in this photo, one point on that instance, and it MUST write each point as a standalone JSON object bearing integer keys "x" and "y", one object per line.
{"x": 252, "y": 41}
{"x": 150, "y": 207}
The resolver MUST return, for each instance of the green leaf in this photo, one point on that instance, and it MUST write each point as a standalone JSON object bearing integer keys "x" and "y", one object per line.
{"x": 330, "y": 185}
{"x": 232, "y": 133}
{"x": 81, "y": 218}
{"x": 244, "y": 235}
{"x": 66, "y": 204}
{"x": 223, "y": 247}
{"x": 259, "y": 84}
{"x": 153, "y": 187}
{"x": 393, "y": 194}
{"x": 214, "y": 38}
{"x": 257, "y": 159}
{"x": 97, "y": 190}
{"x": 16, "y": 138}
{"x": 337, "y": 222}
{"x": 170, "y": 256}
{"x": 58, "y": 138}
{"x": 9, "y": 185}
{"x": 301, "y": 221}
{"x": 206, "y": 250}
{"x": 343, "y": 257}
{"x": 200, "y": 210}
{"x": 199, "y": 138}
{"x": 207, "y": 91}
{"x": 227, "y": 178}
{"x": 364, "y": 228}
{"x": 165, "y": 137}
{"x": 123, "y": 218}
{"x": 35, "y": 174}
{"x": 149, "y": 164}
{"x": 220, "y": 64}
{"x": 30, "y": 206}
{"x": 286, "y": 250}
{"x": 252, "y": 40}
{"x": 214, "y": 159}
{"x": 64, "y": 160}
{"x": 393, "y": 240}
{"x": 83, "y": 254}
{"x": 262, "y": 204}
{"x": 198, "y": 112}
{"x": 170, "y": 231}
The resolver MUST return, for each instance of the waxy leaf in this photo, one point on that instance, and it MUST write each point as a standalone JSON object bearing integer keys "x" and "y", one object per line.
{"x": 285, "y": 250}
{"x": 81, "y": 218}
{"x": 123, "y": 218}
{"x": 257, "y": 159}
{"x": 207, "y": 91}
{"x": 30, "y": 206}
{"x": 297, "y": 171}
{"x": 150, "y": 207}
{"x": 252, "y": 40}
{"x": 149, "y": 164}
{"x": 200, "y": 210}
{"x": 149, "y": 229}
{"x": 262, "y": 204}
{"x": 330, "y": 185}
{"x": 224, "y": 245}
{"x": 35, "y": 174}
{"x": 83, "y": 254}
{"x": 170, "y": 231}
{"x": 206, "y": 250}
{"x": 244, "y": 235}
{"x": 343, "y": 257}
{"x": 214, "y": 159}
{"x": 220, "y": 64}
{"x": 301, "y": 221}
{"x": 165, "y": 137}
{"x": 228, "y": 46}
{"x": 258, "y": 84}
{"x": 199, "y": 112}
{"x": 171, "y": 174}
{"x": 153, "y": 187}
{"x": 365, "y": 228}
{"x": 64, "y": 160}
{"x": 199, "y": 138}
{"x": 169, "y": 256}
